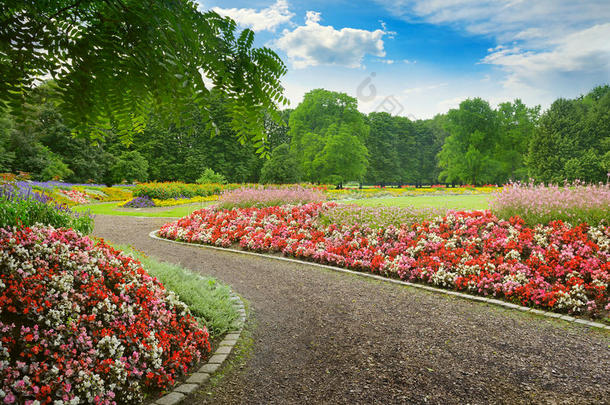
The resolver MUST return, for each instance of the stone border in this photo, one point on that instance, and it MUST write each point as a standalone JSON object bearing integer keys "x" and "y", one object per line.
{"x": 198, "y": 378}
{"x": 491, "y": 301}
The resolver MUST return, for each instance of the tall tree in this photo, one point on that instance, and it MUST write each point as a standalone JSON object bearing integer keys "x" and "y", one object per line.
{"x": 117, "y": 60}
{"x": 383, "y": 146}
{"x": 322, "y": 116}
{"x": 467, "y": 155}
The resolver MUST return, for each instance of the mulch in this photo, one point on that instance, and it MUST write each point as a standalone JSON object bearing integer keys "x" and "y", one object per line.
{"x": 325, "y": 337}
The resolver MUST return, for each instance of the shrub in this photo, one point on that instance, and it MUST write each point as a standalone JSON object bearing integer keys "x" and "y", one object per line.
{"x": 539, "y": 204}
{"x": 82, "y": 323}
{"x": 265, "y": 197}
{"x": 24, "y": 207}
{"x": 167, "y": 190}
{"x": 210, "y": 176}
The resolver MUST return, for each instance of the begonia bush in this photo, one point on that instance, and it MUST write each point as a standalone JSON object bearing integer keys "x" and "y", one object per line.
{"x": 82, "y": 323}
{"x": 557, "y": 266}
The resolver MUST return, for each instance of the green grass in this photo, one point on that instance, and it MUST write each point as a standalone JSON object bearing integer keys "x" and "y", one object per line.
{"x": 467, "y": 201}
{"x": 112, "y": 209}
{"x": 207, "y": 298}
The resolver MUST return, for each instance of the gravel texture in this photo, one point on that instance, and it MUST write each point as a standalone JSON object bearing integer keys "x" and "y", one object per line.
{"x": 326, "y": 337}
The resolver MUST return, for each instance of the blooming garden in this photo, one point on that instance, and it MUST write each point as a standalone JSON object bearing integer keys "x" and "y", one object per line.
{"x": 554, "y": 265}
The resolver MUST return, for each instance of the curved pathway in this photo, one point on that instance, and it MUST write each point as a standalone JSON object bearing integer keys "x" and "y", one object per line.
{"x": 326, "y": 337}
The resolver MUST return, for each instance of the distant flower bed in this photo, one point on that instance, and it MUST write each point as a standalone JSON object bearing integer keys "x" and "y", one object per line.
{"x": 81, "y": 323}
{"x": 408, "y": 191}
{"x": 539, "y": 204}
{"x": 267, "y": 196}
{"x": 75, "y": 196}
{"x": 181, "y": 201}
{"x": 138, "y": 202}
{"x": 167, "y": 190}
{"x": 377, "y": 217}
{"x": 556, "y": 267}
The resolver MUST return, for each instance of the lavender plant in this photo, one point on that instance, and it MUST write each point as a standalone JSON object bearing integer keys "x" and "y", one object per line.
{"x": 21, "y": 206}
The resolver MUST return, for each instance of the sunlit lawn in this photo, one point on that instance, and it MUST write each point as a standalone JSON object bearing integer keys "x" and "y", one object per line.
{"x": 467, "y": 202}
{"x": 112, "y": 209}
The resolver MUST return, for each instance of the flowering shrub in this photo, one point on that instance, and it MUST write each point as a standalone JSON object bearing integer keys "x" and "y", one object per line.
{"x": 20, "y": 205}
{"x": 167, "y": 190}
{"x": 180, "y": 201}
{"x": 76, "y": 196}
{"x": 138, "y": 202}
{"x": 539, "y": 204}
{"x": 556, "y": 266}
{"x": 81, "y": 323}
{"x": 268, "y": 196}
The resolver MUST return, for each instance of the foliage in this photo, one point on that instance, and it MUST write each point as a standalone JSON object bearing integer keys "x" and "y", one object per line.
{"x": 539, "y": 204}
{"x": 320, "y": 126}
{"x": 210, "y": 176}
{"x": 129, "y": 167}
{"x": 266, "y": 196}
{"x": 556, "y": 267}
{"x": 20, "y": 206}
{"x": 167, "y": 190}
{"x": 281, "y": 168}
{"x": 208, "y": 300}
{"x": 572, "y": 139}
{"x": 82, "y": 323}
{"x": 114, "y": 62}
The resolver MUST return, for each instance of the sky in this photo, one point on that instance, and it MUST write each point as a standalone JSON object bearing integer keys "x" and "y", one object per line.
{"x": 418, "y": 58}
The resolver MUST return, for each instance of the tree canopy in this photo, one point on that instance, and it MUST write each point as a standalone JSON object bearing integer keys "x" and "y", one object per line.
{"x": 115, "y": 61}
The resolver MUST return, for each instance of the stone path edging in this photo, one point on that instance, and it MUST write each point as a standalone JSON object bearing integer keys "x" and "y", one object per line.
{"x": 199, "y": 377}
{"x": 491, "y": 301}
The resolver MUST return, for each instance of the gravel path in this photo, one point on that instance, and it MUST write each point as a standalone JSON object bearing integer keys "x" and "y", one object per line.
{"x": 326, "y": 337}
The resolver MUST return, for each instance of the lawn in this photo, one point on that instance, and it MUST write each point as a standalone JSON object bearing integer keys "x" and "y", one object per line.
{"x": 112, "y": 209}
{"x": 464, "y": 202}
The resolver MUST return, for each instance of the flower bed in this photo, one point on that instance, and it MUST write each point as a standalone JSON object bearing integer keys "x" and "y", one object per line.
{"x": 539, "y": 204}
{"x": 268, "y": 196}
{"x": 138, "y": 202}
{"x": 557, "y": 267}
{"x": 81, "y": 323}
{"x": 75, "y": 196}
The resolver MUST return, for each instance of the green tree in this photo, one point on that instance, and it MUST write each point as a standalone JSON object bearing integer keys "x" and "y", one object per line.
{"x": 210, "y": 176}
{"x": 281, "y": 168}
{"x": 6, "y": 156}
{"x": 129, "y": 166}
{"x": 467, "y": 155}
{"x": 322, "y": 123}
{"x": 116, "y": 61}
{"x": 572, "y": 139}
{"x": 383, "y": 146}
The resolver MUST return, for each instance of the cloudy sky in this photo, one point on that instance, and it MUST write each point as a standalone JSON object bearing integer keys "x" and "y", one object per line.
{"x": 422, "y": 57}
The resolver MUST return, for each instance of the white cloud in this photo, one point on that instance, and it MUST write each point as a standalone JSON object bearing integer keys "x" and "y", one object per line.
{"x": 266, "y": 19}
{"x": 545, "y": 48}
{"x": 582, "y": 57}
{"x": 313, "y": 44}
{"x": 421, "y": 89}
{"x": 506, "y": 20}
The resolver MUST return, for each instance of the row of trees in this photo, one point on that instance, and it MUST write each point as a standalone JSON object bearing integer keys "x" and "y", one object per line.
{"x": 326, "y": 139}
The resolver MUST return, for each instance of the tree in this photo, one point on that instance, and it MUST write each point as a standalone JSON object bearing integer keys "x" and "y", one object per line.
{"x": 6, "y": 157}
{"x": 129, "y": 166}
{"x": 281, "y": 168}
{"x": 322, "y": 117}
{"x": 116, "y": 60}
{"x": 572, "y": 139}
{"x": 467, "y": 155}
{"x": 210, "y": 176}
{"x": 382, "y": 144}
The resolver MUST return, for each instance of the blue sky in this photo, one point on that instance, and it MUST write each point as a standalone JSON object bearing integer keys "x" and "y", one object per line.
{"x": 418, "y": 58}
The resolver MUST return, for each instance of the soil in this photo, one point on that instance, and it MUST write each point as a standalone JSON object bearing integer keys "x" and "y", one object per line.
{"x": 324, "y": 337}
